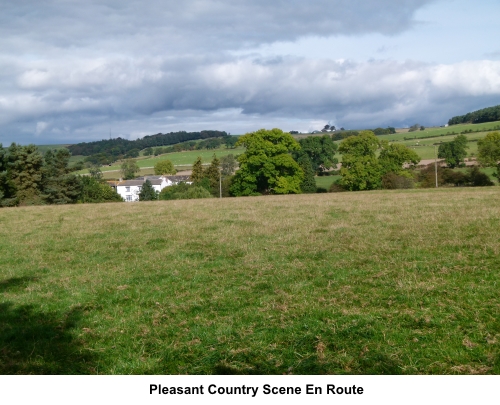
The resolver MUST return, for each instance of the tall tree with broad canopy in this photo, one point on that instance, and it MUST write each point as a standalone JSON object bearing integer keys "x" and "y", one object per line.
{"x": 267, "y": 166}
{"x": 453, "y": 152}
{"x": 165, "y": 167}
{"x": 360, "y": 167}
{"x": 394, "y": 157}
{"x": 489, "y": 151}
{"x": 129, "y": 169}
{"x": 320, "y": 150}
{"x": 362, "y": 170}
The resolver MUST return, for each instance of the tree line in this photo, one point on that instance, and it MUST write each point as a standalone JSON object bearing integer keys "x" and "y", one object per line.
{"x": 120, "y": 147}
{"x": 489, "y": 114}
{"x": 273, "y": 163}
{"x": 29, "y": 178}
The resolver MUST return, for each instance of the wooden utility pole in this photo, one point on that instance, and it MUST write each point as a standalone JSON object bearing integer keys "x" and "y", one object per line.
{"x": 436, "y": 164}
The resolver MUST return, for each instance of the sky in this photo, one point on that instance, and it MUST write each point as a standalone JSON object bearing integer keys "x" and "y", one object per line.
{"x": 77, "y": 71}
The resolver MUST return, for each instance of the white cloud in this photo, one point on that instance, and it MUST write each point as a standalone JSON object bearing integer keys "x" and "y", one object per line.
{"x": 147, "y": 67}
{"x": 40, "y": 127}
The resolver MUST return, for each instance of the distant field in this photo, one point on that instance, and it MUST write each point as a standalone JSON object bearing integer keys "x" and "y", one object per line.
{"x": 179, "y": 159}
{"x": 45, "y": 148}
{"x": 401, "y": 282}
{"x": 325, "y": 181}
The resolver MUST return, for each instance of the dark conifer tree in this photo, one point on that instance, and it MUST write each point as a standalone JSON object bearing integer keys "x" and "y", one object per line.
{"x": 59, "y": 185}
{"x": 308, "y": 185}
{"x": 148, "y": 193}
{"x": 197, "y": 172}
{"x": 213, "y": 174}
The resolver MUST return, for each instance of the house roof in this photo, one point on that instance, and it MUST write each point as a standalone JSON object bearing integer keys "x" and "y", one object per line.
{"x": 155, "y": 181}
{"x": 128, "y": 183}
{"x": 177, "y": 179}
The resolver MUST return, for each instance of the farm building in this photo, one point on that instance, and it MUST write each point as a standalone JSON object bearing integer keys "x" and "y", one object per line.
{"x": 129, "y": 189}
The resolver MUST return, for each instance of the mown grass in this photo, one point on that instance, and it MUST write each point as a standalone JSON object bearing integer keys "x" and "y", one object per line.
{"x": 352, "y": 283}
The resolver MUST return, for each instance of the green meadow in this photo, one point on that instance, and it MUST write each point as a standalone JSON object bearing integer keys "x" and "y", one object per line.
{"x": 381, "y": 282}
{"x": 182, "y": 160}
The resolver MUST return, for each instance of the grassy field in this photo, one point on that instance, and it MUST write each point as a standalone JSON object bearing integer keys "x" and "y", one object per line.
{"x": 325, "y": 181}
{"x": 403, "y": 282}
{"x": 179, "y": 159}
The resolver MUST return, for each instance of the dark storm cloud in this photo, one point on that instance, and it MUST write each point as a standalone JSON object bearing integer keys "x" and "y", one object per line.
{"x": 143, "y": 26}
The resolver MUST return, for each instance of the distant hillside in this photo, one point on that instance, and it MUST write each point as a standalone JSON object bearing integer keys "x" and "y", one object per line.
{"x": 120, "y": 146}
{"x": 485, "y": 115}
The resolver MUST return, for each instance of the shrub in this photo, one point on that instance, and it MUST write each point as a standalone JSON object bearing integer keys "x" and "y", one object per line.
{"x": 184, "y": 191}
{"x": 478, "y": 178}
{"x": 336, "y": 187}
{"x": 393, "y": 181}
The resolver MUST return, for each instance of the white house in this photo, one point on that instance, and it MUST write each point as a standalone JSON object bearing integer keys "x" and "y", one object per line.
{"x": 129, "y": 189}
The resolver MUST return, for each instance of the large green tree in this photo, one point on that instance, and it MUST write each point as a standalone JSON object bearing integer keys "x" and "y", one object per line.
{"x": 453, "y": 152}
{"x": 397, "y": 158}
{"x": 23, "y": 175}
{"x": 59, "y": 185}
{"x": 489, "y": 151}
{"x": 96, "y": 191}
{"x": 320, "y": 150}
{"x": 129, "y": 169}
{"x": 165, "y": 167}
{"x": 360, "y": 167}
{"x": 267, "y": 166}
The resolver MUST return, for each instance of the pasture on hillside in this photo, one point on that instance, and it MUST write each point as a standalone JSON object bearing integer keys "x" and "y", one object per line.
{"x": 179, "y": 159}
{"x": 381, "y": 282}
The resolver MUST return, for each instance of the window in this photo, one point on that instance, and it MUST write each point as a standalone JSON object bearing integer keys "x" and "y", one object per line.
{"x": 139, "y": 187}
{"x": 127, "y": 189}
{"x": 129, "y": 198}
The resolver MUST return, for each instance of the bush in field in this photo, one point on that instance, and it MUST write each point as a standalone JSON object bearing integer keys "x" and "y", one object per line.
{"x": 169, "y": 193}
{"x": 95, "y": 191}
{"x": 478, "y": 178}
{"x": 458, "y": 179}
{"x": 194, "y": 192}
{"x": 393, "y": 181}
{"x": 448, "y": 177}
{"x": 426, "y": 177}
{"x": 336, "y": 187}
{"x": 184, "y": 191}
